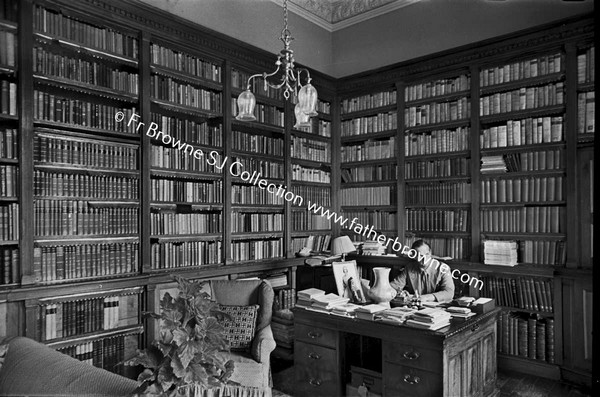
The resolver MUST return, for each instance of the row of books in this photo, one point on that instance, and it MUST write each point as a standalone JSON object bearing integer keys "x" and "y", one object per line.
{"x": 368, "y": 101}
{"x": 435, "y": 168}
{"x": 9, "y": 144}
{"x": 540, "y": 160}
{"x": 316, "y": 243}
{"x": 586, "y": 112}
{"x": 244, "y": 222}
{"x": 257, "y": 143}
{"x": 265, "y": 114}
{"x": 55, "y": 24}
{"x": 239, "y": 79}
{"x": 189, "y": 131}
{"x": 543, "y": 252}
{"x": 301, "y": 173}
{"x": 437, "y": 112}
{"x": 376, "y": 195}
{"x": 84, "y": 71}
{"x": 169, "y": 89}
{"x": 369, "y": 124}
{"x": 308, "y": 149}
{"x": 318, "y": 127}
{"x": 184, "y": 63}
{"x": 438, "y": 193}
{"x": 65, "y": 319}
{"x": 60, "y": 149}
{"x": 369, "y": 173}
{"x": 266, "y": 168}
{"x": 9, "y": 265}
{"x": 70, "y": 262}
{"x": 186, "y": 191}
{"x": 437, "y": 141}
{"x": 58, "y": 184}
{"x": 526, "y": 336}
{"x": 523, "y": 220}
{"x": 256, "y": 249}
{"x": 530, "y": 293}
{"x": 522, "y": 190}
{"x": 169, "y": 223}
{"x": 244, "y": 194}
{"x": 586, "y": 65}
{"x": 528, "y": 131}
{"x": 107, "y": 353}
{"x": 9, "y": 181}
{"x": 323, "y": 107}
{"x": 7, "y": 48}
{"x": 304, "y": 220}
{"x": 8, "y": 98}
{"x": 285, "y": 299}
{"x": 524, "y": 98}
{"x": 9, "y": 222}
{"x": 171, "y": 255}
{"x": 380, "y": 220}
{"x": 370, "y": 150}
{"x": 78, "y": 218}
{"x": 79, "y": 112}
{"x": 8, "y": 10}
{"x": 525, "y": 69}
{"x": 456, "y": 220}
{"x": 171, "y": 158}
{"x": 454, "y": 247}
{"x": 314, "y": 194}
{"x": 435, "y": 88}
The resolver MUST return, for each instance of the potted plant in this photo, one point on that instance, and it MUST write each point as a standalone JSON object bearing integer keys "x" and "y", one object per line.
{"x": 190, "y": 349}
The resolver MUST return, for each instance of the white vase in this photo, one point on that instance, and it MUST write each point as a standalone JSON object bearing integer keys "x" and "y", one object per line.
{"x": 382, "y": 292}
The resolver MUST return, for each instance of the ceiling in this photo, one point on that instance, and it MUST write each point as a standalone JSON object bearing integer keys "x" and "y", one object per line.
{"x": 334, "y": 15}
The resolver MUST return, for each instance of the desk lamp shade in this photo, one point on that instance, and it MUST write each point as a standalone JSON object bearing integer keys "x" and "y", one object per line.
{"x": 341, "y": 246}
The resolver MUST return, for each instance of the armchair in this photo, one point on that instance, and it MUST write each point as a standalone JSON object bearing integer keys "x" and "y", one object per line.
{"x": 252, "y": 369}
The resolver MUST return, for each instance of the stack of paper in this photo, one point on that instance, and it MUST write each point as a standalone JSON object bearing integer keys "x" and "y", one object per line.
{"x": 325, "y": 303}
{"x": 460, "y": 313}
{"x": 368, "y": 312}
{"x": 397, "y": 315}
{"x": 429, "y": 318}
{"x": 345, "y": 310}
{"x": 306, "y": 296}
{"x": 370, "y": 247}
{"x": 492, "y": 164}
{"x": 496, "y": 252}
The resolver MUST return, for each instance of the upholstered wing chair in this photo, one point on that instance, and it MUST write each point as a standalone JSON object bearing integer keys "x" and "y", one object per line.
{"x": 252, "y": 369}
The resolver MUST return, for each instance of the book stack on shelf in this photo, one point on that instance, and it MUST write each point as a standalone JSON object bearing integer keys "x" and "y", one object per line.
{"x": 436, "y": 130}
{"x": 527, "y": 336}
{"x": 528, "y": 293}
{"x": 586, "y": 102}
{"x": 503, "y": 253}
{"x": 370, "y": 247}
{"x": 493, "y": 164}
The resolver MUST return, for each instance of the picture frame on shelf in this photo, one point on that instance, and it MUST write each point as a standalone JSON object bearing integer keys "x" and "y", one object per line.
{"x": 348, "y": 282}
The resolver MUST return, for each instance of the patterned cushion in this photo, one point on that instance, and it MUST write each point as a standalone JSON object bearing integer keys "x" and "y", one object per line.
{"x": 240, "y": 329}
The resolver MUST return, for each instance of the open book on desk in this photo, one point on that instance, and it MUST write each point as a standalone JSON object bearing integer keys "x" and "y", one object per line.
{"x": 319, "y": 260}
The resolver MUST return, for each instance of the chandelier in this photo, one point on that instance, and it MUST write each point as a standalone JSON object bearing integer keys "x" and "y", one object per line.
{"x": 289, "y": 81}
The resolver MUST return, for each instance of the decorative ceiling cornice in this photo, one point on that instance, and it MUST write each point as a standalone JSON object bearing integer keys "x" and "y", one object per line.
{"x": 334, "y": 15}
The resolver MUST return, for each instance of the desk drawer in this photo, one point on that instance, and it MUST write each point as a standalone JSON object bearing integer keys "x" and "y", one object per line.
{"x": 400, "y": 380}
{"x": 413, "y": 356}
{"x": 317, "y": 372}
{"x": 316, "y": 335}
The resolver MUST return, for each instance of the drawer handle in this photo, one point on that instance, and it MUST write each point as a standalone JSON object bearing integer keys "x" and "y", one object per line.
{"x": 314, "y": 382}
{"x": 413, "y": 381}
{"x": 411, "y": 355}
{"x": 314, "y": 356}
{"x": 314, "y": 334}
{"x": 475, "y": 328}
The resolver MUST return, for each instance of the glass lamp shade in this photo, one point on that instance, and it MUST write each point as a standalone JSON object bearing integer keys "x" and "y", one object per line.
{"x": 307, "y": 99}
{"x": 246, "y": 102}
{"x": 302, "y": 119}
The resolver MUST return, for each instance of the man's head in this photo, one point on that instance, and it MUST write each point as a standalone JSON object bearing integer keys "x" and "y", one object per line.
{"x": 422, "y": 248}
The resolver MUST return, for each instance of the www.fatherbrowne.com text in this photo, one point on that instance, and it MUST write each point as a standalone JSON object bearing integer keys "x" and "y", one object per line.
{"x": 236, "y": 169}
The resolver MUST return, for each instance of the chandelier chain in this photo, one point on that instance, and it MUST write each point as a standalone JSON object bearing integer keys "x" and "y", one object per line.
{"x": 285, "y": 15}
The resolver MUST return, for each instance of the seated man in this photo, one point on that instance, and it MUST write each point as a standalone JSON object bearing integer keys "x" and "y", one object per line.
{"x": 424, "y": 278}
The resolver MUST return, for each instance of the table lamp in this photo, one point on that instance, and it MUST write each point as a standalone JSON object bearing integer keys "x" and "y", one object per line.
{"x": 341, "y": 246}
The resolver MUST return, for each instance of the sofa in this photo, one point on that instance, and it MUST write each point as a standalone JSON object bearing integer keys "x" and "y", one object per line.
{"x": 29, "y": 368}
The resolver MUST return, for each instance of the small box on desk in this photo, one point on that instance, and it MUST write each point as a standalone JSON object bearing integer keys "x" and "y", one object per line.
{"x": 483, "y": 305}
{"x": 367, "y": 378}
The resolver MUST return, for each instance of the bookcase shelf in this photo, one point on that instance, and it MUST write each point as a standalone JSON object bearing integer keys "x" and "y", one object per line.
{"x": 8, "y": 117}
{"x": 522, "y": 148}
{"x": 439, "y": 98}
{"x": 6, "y": 69}
{"x": 438, "y": 126}
{"x": 368, "y": 112}
{"x": 368, "y": 136}
{"x": 461, "y": 153}
{"x": 8, "y": 24}
{"x": 64, "y": 342}
{"x": 370, "y": 183}
{"x": 528, "y": 82}
{"x": 354, "y": 164}
{"x": 188, "y": 78}
{"x": 158, "y": 238}
{"x": 530, "y": 311}
{"x": 82, "y": 239}
{"x": 522, "y": 114}
{"x": 9, "y": 242}
{"x": 534, "y": 236}
{"x": 586, "y": 87}
{"x": 311, "y": 135}
{"x": 71, "y": 85}
{"x": 183, "y": 174}
{"x": 203, "y": 113}
{"x": 522, "y": 173}
{"x": 248, "y": 125}
{"x": 65, "y": 128}
{"x": 435, "y": 179}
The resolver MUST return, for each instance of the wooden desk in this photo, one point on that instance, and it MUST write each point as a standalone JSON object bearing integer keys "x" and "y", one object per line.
{"x": 458, "y": 360}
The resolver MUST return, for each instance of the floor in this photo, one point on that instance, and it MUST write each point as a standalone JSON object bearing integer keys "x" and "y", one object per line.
{"x": 510, "y": 384}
